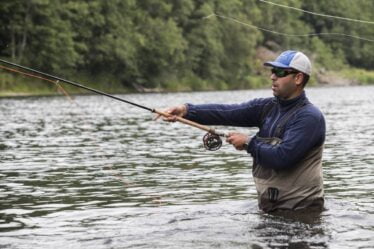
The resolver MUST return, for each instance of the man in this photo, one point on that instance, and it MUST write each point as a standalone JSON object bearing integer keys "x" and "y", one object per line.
{"x": 287, "y": 150}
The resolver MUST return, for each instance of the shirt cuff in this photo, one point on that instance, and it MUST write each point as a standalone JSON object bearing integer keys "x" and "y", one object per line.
{"x": 251, "y": 149}
{"x": 191, "y": 111}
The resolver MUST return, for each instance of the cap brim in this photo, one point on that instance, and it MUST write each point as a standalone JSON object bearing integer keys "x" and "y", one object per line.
{"x": 275, "y": 64}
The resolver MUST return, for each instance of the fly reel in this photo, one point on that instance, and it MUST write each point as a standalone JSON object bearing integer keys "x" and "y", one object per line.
{"x": 212, "y": 142}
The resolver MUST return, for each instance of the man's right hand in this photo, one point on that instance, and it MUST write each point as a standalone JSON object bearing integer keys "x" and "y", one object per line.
{"x": 239, "y": 140}
{"x": 173, "y": 112}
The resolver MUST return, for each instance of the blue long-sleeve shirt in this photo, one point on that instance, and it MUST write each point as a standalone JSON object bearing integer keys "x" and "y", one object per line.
{"x": 304, "y": 131}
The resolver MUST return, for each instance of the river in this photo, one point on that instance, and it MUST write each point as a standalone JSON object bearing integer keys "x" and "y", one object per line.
{"x": 97, "y": 173}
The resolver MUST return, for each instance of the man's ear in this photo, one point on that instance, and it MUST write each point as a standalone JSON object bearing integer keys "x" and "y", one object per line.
{"x": 299, "y": 78}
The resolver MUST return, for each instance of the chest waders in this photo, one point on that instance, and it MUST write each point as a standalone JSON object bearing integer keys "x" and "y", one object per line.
{"x": 296, "y": 187}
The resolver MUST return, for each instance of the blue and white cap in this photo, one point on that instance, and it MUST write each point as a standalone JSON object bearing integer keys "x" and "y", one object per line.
{"x": 292, "y": 59}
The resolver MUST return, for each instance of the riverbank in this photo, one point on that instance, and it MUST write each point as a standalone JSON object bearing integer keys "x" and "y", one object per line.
{"x": 13, "y": 85}
{"x": 346, "y": 77}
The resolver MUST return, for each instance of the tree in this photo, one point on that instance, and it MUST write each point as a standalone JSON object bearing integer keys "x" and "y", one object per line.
{"x": 356, "y": 52}
{"x": 35, "y": 32}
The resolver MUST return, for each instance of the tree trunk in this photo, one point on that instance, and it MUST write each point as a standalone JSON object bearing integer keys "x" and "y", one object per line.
{"x": 23, "y": 43}
{"x": 12, "y": 43}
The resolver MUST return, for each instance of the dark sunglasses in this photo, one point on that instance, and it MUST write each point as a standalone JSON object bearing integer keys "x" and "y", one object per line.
{"x": 281, "y": 72}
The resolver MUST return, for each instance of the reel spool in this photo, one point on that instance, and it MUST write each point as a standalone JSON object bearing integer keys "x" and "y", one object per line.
{"x": 212, "y": 142}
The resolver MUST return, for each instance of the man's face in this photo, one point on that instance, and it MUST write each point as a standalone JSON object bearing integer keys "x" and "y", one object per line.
{"x": 285, "y": 83}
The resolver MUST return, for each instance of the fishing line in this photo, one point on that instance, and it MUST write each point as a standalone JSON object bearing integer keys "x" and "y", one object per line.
{"x": 55, "y": 82}
{"x": 286, "y": 34}
{"x": 317, "y": 14}
{"x": 211, "y": 142}
{"x": 117, "y": 175}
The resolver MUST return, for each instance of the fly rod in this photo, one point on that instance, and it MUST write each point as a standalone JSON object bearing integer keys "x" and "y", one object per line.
{"x": 211, "y": 140}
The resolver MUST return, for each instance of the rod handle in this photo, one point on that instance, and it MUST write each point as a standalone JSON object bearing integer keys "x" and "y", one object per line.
{"x": 189, "y": 122}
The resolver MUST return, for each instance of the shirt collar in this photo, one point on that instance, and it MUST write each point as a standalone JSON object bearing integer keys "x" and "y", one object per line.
{"x": 289, "y": 102}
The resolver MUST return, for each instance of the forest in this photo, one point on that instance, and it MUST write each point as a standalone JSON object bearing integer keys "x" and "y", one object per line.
{"x": 174, "y": 45}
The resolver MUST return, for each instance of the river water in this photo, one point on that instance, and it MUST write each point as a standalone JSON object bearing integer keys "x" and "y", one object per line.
{"x": 97, "y": 173}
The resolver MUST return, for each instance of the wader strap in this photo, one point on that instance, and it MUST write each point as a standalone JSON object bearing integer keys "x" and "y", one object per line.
{"x": 267, "y": 109}
{"x": 282, "y": 123}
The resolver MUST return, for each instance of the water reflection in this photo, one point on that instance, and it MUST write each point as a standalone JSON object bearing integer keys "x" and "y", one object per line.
{"x": 101, "y": 174}
{"x": 301, "y": 229}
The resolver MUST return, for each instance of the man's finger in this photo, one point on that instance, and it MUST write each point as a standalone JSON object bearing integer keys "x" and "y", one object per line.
{"x": 229, "y": 137}
{"x": 229, "y": 140}
{"x": 165, "y": 118}
{"x": 171, "y": 118}
{"x": 157, "y": 117}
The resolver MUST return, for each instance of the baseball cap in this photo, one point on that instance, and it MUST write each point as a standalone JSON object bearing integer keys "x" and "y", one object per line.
{"x": 292, "y": 59}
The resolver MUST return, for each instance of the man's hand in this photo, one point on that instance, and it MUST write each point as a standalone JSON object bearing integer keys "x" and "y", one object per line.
{"x": 175, "y": 111}
{"x": 238, "y": 140}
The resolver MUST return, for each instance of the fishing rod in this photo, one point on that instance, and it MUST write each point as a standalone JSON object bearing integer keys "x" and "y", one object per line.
{"x": 212, "y": 139}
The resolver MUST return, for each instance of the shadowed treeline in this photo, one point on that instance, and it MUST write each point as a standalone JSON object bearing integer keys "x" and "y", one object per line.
{"x": 168, "y": 44}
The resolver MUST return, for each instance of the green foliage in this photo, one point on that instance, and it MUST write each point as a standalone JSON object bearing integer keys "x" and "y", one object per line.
{"x": 361, "y": 76}
{"x": 358, "y": 53}
{"x": 284, "y": 21}
{"x": 324, "y": 57}
{"x": 169, "y": 44}
{"x": 35, "y": 32}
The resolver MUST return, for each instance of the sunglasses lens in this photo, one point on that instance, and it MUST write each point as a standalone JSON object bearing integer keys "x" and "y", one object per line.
{"x": 278, "y": 72}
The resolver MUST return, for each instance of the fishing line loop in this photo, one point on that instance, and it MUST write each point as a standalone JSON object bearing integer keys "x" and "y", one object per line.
{"x": 56, "y": 82}
{"x": 286, "y": 34}
{"x": 317, "y": 14}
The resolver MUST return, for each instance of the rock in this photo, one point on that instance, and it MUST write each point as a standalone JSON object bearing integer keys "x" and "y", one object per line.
{"x": 334, "y": 80}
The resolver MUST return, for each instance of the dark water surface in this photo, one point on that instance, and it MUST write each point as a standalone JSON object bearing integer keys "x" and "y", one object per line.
{"x": 101, "y": 174}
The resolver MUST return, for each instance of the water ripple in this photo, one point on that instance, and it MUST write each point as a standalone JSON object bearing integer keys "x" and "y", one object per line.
{"x": 98, "y": 173}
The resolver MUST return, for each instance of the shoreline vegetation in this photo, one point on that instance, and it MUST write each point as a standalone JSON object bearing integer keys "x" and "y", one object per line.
{"x": 178, "y": 46}
{"x": 13, "y": 85}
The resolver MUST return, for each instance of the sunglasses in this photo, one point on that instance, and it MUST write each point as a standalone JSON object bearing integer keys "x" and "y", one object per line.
{"x": 281, "y": 72}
